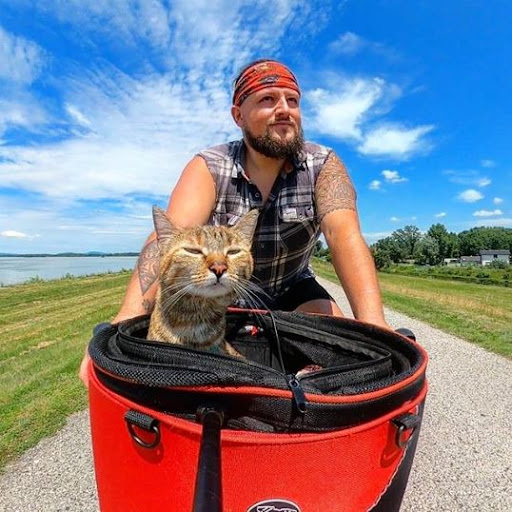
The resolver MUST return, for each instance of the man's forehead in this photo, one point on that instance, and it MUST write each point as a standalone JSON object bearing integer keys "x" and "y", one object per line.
{"x": 278, "y": 91}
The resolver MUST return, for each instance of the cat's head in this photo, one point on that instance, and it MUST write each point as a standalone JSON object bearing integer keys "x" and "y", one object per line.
{"x": 207, "y": 261}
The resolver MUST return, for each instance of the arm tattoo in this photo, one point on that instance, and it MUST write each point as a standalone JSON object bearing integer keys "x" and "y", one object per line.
{"x": 334, "y": 189}
{"x": 147, "y": 265}
{"x": 148, "y": 305}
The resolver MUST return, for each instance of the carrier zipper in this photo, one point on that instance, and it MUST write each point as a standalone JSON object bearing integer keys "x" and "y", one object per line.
{"x": 299, "y": 398}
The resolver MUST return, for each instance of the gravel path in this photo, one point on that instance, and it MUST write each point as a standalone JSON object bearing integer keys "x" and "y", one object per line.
{"x": 463, "y": 462}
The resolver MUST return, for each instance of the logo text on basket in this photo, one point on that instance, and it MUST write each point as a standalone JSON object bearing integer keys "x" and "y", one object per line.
{"x": 274, "y": 506}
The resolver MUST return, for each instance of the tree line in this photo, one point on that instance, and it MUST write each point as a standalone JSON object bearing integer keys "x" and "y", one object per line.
{"x": 432, "y": 247}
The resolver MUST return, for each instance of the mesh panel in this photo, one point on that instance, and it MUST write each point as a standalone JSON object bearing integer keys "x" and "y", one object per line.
{"x": 355, "y": 358}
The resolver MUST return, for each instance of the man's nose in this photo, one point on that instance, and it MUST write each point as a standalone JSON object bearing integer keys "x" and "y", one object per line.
{"x": 282, "y": 108}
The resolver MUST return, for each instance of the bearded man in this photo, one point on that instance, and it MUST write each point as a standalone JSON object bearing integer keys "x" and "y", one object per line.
{"x": 302, "y": 189}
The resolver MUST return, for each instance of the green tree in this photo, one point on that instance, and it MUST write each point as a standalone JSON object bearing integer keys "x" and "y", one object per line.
{"x": 381, "y": 257}
{"x": 444, "y": 241}
{"x": 407, "y": 238}
{"x": 319, "y": 246}
{"x": 472, "y": 241}
{"x": 392, "y": 248}
{"x": 453, "y": 246}
{"x": 427, "y": 251}
{"x": 321, "y": 252}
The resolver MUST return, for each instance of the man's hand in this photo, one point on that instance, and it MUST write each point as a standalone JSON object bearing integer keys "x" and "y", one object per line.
{"x": 82, "y": 373}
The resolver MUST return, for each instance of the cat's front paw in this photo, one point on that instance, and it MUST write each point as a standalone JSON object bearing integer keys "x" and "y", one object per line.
{"x": 232, "y": 351}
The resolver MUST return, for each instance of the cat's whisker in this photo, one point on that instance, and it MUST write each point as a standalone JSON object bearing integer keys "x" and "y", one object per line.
{"x": 256, "y": 290}
{"x": 253, "y": 300}
{"x": 257, "y": 314}
{"x": 169, "y": 301}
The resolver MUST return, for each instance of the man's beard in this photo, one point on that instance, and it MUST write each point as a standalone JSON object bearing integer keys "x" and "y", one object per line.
{"x": 273, "y": 148}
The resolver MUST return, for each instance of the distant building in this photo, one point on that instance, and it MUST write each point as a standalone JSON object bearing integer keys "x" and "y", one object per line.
{"x": 488, "y": 256}
{"x": 470, "y": 260}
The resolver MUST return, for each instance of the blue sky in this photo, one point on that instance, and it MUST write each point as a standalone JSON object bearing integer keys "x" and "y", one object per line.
{"x": 102, "y": 103}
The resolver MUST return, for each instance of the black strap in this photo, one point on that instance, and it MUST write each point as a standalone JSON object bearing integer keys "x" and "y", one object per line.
{"x": 208, "y": 489}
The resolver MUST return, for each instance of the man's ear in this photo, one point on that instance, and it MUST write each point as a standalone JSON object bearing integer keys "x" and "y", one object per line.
{"x": 164, "y": 227}
{"x": 237, "y": 115}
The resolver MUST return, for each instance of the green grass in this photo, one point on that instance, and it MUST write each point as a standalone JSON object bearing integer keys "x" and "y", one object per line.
{"x": 45, "y": 327}
{"x": 478, "y": 313}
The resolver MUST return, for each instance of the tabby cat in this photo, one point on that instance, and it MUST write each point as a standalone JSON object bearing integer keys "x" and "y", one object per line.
{"x": 202, "y": 269}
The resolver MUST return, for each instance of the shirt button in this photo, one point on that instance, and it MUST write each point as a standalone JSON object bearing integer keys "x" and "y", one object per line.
{"x": 257, "y": 195}
{"x": 262, "y": 245}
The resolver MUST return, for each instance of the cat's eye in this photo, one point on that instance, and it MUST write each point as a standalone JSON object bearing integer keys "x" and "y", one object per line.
{"x": 192, "y": 250}
{"x": 232, "y": 252}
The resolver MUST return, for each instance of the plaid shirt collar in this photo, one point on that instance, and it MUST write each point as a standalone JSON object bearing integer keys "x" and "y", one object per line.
{"x": 297, "y": 163}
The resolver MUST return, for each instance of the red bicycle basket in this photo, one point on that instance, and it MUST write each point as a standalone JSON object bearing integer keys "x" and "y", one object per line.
{"x": 181, "y": 430}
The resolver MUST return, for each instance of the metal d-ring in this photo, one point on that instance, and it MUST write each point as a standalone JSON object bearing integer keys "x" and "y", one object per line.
{"x": 403, "y": 424}
{"x": 146, "y": 423}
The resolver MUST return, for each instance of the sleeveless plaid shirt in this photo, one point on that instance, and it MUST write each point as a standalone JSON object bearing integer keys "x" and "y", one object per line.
{"x": 288, "y": 227}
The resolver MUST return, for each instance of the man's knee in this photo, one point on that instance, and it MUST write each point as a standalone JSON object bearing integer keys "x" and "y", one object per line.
{"x": 320, "y": 306}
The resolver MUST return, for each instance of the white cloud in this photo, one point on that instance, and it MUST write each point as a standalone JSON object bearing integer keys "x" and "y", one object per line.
{"x": 115, "y": 137}
{"x": 134, "y": 135}
{"x": 348, "y": 44}
{"x": 375, "y": 185}
{"x": 487, "y": 213}
{"x": 395, "y": 140}
{"x": 497, "y": 200}
{"x": 81, "y": 230}
{"x": 393, "y": 176}
{"x": 468, "y": 177}
{"x": 13, "y": 234}
{"x": 77, "y": 116}
{"x": 487, "y": 163}
{"x": 21, "y": 61}
{"x": 341, "y": 113}
{"x": 394, "y": 219}
{"x": 440, "y": 215}
{"x": 470, "y": 196}
{"x": 503, "y": 222}
{"x": 347, "y": 108}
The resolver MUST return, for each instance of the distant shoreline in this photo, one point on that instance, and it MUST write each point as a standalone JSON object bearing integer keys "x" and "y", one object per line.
{"x": 70, "y": 255}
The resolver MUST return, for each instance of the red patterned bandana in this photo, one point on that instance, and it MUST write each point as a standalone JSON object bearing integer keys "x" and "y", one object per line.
{"x": 268, "y": 73}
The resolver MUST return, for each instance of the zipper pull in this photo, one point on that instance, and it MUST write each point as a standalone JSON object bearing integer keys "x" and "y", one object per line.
{"x": 299, "y": 397}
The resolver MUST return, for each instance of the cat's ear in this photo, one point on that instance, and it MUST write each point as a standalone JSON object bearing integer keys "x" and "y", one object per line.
{"x": 247, "y": 224}
{"x": 164, "y": 227}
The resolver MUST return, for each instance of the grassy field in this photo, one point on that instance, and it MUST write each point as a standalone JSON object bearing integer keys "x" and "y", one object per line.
{"x": 45, "y": 327}
{"x": 479, "y": 313}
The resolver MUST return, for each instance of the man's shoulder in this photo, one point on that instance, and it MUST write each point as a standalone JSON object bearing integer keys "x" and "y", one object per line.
{"x": 312, "y": 148}
{"x": 221, "y": 151}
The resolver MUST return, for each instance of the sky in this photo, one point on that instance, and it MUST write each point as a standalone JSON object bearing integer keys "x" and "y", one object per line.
{"x": 103, "y": 102}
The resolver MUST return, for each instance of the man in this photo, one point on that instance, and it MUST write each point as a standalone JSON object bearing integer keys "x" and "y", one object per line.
{"x": 300, "y": 188}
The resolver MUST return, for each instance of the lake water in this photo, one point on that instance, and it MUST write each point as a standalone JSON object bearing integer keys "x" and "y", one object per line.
{"x": 19, "y": 270}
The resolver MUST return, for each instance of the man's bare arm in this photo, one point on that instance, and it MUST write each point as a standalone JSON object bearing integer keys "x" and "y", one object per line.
{"x": 336, "y": 206}
{"x": 334, "y": 189}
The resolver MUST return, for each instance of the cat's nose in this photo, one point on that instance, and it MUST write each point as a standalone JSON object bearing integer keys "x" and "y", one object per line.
{"x": 218, "y": 269}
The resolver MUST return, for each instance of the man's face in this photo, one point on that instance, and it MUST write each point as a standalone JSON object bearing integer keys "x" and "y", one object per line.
{"x": 271, "y": 121}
